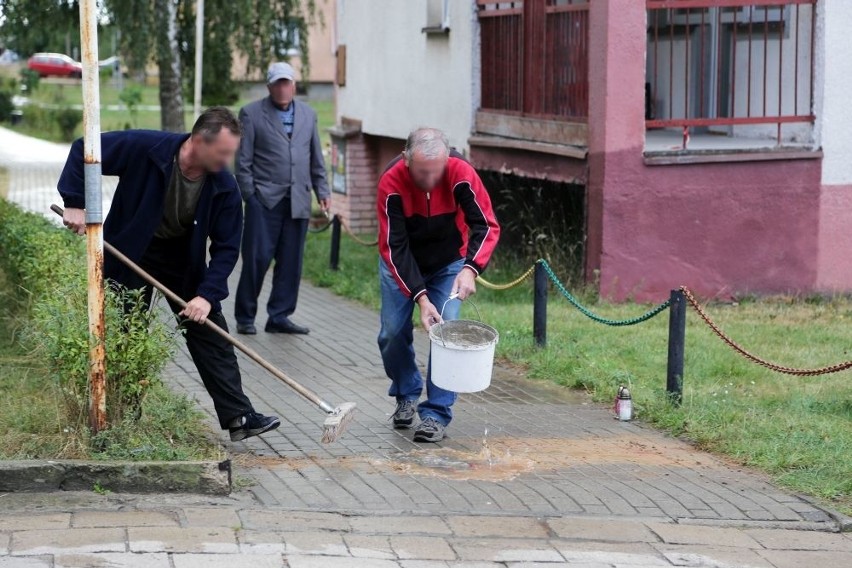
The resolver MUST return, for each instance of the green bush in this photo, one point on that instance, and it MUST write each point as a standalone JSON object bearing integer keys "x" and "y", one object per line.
{"x": 29, "y": 80}
{"x": 131, "y": 96}
{"x": 6, "y": 106}
{"x": 67, "y": 119}
{"x": 49, "y": 265}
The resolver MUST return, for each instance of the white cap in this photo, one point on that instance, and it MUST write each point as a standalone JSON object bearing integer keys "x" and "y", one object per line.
{"x": 278, "y": 71}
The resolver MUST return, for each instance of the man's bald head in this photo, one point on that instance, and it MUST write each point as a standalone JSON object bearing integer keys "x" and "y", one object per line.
{"x": 426, "y": 153}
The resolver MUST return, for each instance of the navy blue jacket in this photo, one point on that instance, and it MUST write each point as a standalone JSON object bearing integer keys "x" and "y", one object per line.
{"x": 143, "y": 160}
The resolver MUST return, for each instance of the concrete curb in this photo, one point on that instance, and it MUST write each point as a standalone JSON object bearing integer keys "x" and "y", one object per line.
{"x": 202, "y": 477}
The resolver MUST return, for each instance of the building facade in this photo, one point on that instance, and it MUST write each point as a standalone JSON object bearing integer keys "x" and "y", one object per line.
{"x": 710, "y": 138}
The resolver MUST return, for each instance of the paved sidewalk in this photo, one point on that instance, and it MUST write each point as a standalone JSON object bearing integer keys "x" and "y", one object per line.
{"x": 34, "y": 166}
{"x": 86, "y": 530}
{"x": 530, "y": 475}
{"x": 549, "y": 451}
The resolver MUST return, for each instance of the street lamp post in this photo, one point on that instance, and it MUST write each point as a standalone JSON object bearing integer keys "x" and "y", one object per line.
{"x": 199, "y": 51}
{"x": 94, "y": 213}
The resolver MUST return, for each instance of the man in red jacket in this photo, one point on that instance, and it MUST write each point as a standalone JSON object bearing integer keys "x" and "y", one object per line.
{"x": 437, "y": 232}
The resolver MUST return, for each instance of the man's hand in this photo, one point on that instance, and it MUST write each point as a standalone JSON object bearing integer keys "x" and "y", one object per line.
{"x": 429, "y": 314}
{"x": 197, "y": 310}
{"x": 75, "y": 220}
{"x": 325, "y": 204}
{"x": 465, "y": 284}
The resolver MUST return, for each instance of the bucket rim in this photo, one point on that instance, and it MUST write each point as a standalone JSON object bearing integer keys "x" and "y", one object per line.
{"x": 436, "y": 338}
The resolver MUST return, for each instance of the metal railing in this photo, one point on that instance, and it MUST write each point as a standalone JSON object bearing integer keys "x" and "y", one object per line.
{"x": 535, "y": 57}
{"x": 736, "y": 67}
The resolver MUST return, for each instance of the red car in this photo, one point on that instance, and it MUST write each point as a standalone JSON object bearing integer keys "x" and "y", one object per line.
{"x": 56, "y": 64}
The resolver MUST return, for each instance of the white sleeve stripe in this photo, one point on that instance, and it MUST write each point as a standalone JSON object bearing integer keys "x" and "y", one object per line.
{"x": 481, "y": 212}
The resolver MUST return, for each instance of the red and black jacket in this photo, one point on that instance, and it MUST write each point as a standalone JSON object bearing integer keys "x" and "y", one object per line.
{"x": 422, "y": 232}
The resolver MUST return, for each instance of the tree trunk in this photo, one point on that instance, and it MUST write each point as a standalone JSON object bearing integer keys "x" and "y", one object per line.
{"x": 168, "y": 61}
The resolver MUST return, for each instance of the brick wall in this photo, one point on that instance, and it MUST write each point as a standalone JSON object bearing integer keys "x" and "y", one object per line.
{"x": 358, "y": 206}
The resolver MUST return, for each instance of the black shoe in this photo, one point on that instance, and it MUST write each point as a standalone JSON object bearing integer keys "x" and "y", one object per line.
{"x": 246, "y": 329}
{"x": 253, "y": 424}
{"x": 284, "y": 325}
{"x": 430, "y": 430}
{"x": 404, "y": 416}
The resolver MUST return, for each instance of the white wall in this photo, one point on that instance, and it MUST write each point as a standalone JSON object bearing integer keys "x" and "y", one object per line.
{"x": 397, "y": 77}
{"x": 834, "y": 102}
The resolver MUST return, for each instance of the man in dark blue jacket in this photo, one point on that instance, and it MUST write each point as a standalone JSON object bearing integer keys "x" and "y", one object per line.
{"x": 175, "y": 193}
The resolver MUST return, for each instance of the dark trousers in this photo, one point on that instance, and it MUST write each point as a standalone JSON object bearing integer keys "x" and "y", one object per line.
{"x": 270, "y": 234}
{"x": 214, "y": 357}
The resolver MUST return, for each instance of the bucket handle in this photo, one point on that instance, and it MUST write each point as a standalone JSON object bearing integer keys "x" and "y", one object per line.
{"x": 450, "y": 299}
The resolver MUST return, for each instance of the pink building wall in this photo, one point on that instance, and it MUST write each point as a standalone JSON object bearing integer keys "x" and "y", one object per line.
{"x": 722, "y": 229}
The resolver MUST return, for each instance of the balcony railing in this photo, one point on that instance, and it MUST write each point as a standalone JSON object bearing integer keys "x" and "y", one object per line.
{"x": 735, "y": 67}
{"x": 535, "y": 58}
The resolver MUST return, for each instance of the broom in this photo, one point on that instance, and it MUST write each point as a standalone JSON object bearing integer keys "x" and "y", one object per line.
{"x": 338, "y": 418}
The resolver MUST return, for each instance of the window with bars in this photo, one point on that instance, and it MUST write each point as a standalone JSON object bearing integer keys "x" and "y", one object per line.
{"x": 742, "y": 68}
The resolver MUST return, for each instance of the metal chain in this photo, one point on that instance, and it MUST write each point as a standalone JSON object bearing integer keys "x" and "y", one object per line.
{"x": 355, "y": 237}
{"x": 754, "y": 358}
{"x": 591, "y": 315}
{"x": 491, "y": 286}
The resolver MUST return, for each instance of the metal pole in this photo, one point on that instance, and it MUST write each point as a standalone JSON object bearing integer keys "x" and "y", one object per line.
{"x": 199, "y": 50}
{"x": 94, "y": 212}
{"x": 540, "y": 306}
{"x": 677, "y": 338}
{"x": 334, "y": 260}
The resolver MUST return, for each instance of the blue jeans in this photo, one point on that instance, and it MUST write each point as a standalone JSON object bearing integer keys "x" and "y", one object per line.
{"x": 396, "y": 341}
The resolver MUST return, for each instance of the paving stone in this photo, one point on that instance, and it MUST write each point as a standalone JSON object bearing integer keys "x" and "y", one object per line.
{"x": 337, "y": 562}
{"x": 26, "y": 562}
{"x": 806, "y": 558}
{"x": 367, "y": 546}
{"x": 601, "y": 530}
{"x": 513, "y": 527}
{"x": 5, "y": 540}
{"x": 227, "y": 560}
{"x": 693, "y": 534}
{"x": 105, "y": 560}
{"x": 422, "y": 548}
{"x": 723, "y": 556}
{"x": 443, "y": 564}
{"x": 261, "y": 542}
{"x": 191, "y": 539}
{"x": 506, "y": 550}
{"x": 35, "y": 522}
{"x": 294, "y": 521}
{"x": 400, "y": 525}
{"x": 321, "y": 543}
{"x": 211, "y": 517}
{"x": 624, "y": 553}
{"x": 123, "y": 519}
{"x": 800, "y": 540}
{"x": 30, "y": 543}
{"x": 577, "y": 564}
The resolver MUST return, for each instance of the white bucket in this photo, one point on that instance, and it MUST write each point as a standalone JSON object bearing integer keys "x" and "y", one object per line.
{"x": 462, "y": 355}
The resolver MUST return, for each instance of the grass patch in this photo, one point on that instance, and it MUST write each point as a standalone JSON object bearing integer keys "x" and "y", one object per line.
{"x": 43, "y": 361}
{"x": 49, "y": 93}
{"x": 796, "y": 429}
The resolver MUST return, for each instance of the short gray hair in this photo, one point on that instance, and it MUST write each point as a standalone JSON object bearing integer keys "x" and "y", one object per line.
{"x": 430, "y": 143}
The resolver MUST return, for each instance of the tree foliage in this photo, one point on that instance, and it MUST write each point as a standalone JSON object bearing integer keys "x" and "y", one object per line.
{"x": 163, "y": 31}
{"x": 30, "y": 26}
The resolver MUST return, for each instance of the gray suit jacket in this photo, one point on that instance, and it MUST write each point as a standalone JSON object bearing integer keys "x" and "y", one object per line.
{"x": 269, "y": 162}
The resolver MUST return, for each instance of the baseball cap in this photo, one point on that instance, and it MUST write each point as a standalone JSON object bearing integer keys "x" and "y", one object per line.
{"x": 279, "y": 70}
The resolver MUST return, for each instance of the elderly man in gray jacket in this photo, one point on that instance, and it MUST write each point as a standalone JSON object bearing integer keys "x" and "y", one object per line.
{"x": 278, "y": 165}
